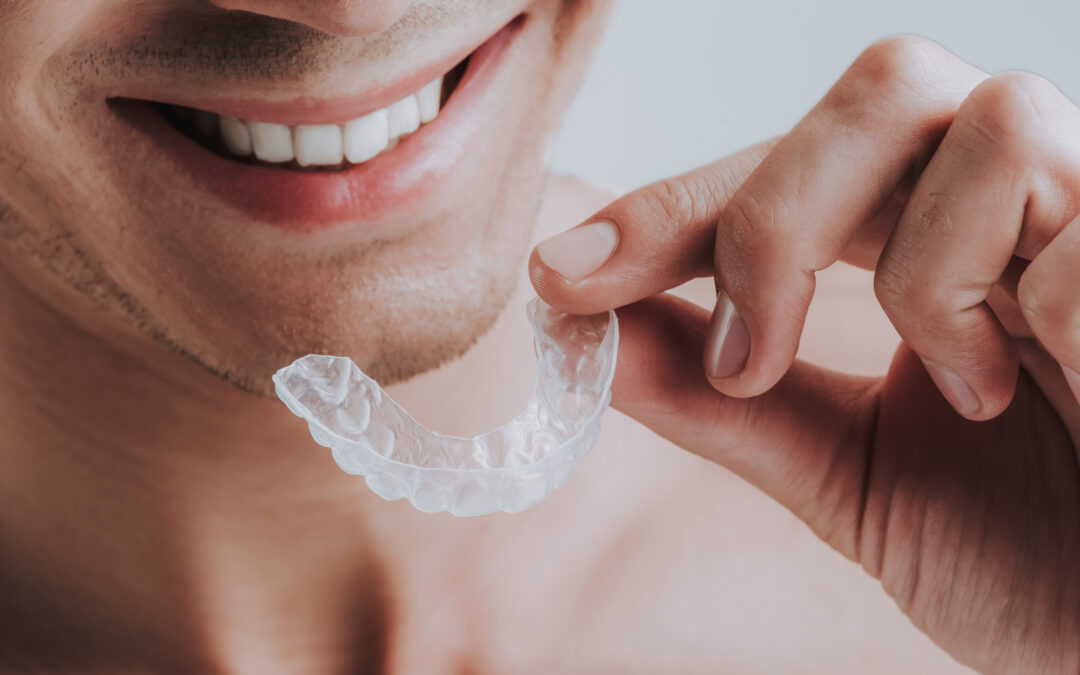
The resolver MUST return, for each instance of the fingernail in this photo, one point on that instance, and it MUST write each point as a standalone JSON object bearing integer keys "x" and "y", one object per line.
{"x": 577, "y": 253}
{"x": 728, "y": 343}
{"x": 954, "y": 388}
{"x": 1073, "y": 378}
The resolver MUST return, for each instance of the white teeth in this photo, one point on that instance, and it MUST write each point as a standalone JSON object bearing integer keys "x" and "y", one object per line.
{"x": 354, "y": 141}
{"x": 236, "y": 136}
{"x": 404, "y": 116}
{"x": 318, "y": 144}
{"x": 367, "y": 136}
{"x": 427, "y": 100}
{"x": 272, "y": 142}
{"x": 206, "y": 123}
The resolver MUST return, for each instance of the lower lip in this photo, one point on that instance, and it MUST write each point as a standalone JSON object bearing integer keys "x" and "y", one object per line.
{"x": 389, "y": 185}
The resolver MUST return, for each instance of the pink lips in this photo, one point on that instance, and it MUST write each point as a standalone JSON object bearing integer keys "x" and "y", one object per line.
{"x": 389, "y": 185}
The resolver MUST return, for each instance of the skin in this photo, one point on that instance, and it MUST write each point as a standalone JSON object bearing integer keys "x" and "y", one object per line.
{"x": 242, "y": 298}
{"x": 954, "y": 478}
{"x": 157, "y": 516}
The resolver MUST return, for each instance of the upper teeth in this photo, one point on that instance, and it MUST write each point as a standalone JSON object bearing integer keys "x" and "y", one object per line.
{"x": 356, "y": 141}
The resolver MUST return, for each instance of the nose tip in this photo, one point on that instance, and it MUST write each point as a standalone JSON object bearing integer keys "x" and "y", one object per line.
{"x": 348, "y": 18}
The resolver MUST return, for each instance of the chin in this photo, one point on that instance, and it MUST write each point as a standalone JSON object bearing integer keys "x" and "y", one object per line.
{"x": 392, "y": 325}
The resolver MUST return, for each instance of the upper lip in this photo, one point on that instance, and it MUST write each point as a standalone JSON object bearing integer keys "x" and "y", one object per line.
{"x": 313, "y": 109}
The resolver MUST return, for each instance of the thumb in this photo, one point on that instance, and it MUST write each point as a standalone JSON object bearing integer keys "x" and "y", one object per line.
{"x": 805, "y": 442}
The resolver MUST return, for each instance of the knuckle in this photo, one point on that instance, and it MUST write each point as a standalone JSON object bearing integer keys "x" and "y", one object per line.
{"x": 744, "y": 223}
{"x": 891, "y": 285}
{"x": 896, "y": 67}
{"x": 1049, "y": 316}
{"x": 907, "y": 300}
{"x": 1027, "y": 298}
{"x": 675, "y": 201}
{"x": 1014, "y": 113}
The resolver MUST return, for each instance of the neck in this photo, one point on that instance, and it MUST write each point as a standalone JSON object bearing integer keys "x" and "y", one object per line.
{"x": 159, "y": 516}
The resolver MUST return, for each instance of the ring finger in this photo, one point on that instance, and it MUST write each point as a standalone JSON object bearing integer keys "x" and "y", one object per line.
{"x": 997, "y": 186}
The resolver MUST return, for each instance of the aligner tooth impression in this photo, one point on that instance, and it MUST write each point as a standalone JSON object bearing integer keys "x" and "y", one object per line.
{"x": 509, "y": 468}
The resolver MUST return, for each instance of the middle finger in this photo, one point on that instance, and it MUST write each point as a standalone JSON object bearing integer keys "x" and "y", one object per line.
{"x": 827, "y": 179}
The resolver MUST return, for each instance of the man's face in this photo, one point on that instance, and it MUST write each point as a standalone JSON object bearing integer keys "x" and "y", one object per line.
{"x": 111, "y": 197}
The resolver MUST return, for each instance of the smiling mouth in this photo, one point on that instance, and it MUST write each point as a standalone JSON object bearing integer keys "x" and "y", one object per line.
{"x": 311, "y": 163}
{"x": 333, "y": 146}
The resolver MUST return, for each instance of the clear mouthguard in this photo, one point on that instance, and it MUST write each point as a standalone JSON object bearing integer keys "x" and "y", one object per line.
{"x": 509, "y": 468}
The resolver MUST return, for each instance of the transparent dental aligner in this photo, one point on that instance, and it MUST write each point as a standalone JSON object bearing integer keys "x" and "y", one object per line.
{"x": 509, "y": 468}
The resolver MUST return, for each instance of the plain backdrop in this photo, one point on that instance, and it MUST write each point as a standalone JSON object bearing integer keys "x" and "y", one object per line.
{"x": 678, "y": 83}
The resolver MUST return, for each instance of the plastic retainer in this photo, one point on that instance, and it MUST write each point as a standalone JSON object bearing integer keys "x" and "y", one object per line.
{"x": 509, "y": 468}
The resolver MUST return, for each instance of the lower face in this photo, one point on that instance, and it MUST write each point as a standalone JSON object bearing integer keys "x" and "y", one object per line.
{"x": 246, "y": 190}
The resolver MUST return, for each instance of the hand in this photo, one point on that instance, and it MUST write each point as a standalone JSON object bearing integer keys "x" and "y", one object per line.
{"x": 961, "y": 191}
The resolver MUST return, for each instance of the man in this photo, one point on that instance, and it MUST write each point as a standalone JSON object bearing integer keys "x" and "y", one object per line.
{"x": 194, "y": 193}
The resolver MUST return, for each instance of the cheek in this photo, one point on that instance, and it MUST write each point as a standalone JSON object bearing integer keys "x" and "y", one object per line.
{"x": 36, "y": 37}
{"x": 48, "y": 164}
{"x": 572, "y": 30}
{"x": 579, "y": 25}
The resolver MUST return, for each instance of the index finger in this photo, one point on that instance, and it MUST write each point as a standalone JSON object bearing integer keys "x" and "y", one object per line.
{"x": 643, "y": 243}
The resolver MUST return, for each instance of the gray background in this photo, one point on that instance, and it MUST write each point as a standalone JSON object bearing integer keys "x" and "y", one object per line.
{"x": 678, "y": 83}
